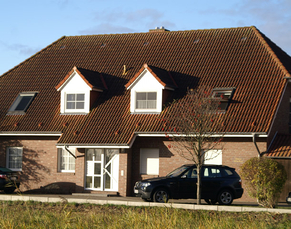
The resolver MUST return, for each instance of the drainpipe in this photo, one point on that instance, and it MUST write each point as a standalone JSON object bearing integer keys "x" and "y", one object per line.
{"x": 255, "y": 143}
{"x": 66, "y": 148}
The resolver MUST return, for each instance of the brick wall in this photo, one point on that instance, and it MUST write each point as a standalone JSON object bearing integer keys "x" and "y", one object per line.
{"x": 235, "y": 151}
{"x": 39, "y": 167}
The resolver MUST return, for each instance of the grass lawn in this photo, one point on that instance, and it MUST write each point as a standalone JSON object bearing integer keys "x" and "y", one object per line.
{"x": 19, "y": 214}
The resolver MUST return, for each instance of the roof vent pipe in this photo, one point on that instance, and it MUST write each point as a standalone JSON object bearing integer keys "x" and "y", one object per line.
{"x": 159, "y": 29}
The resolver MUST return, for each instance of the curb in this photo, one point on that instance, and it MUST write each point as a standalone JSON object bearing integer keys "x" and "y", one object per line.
{"x": 145, "y": 204}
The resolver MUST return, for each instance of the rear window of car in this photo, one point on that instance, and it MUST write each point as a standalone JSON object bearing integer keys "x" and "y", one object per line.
{"x": 228, "y": 172}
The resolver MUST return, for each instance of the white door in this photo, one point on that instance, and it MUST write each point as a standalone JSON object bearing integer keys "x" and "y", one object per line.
{"x": 102, "y": 169}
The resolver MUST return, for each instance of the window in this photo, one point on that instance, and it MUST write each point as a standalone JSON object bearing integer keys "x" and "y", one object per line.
{"x": 75, "y": 102}
{"x": 213, "y": 157}
{"x": 224, "y": 97}
{"x": 66, "y": 160}
{"x": 14, "y": 158}
{"x": 149, "y": 161}
{"x": 21, "y": 103}
{"x": 146, "y": 100}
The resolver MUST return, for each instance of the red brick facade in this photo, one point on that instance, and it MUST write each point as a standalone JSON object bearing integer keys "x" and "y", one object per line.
{"x": 235, "y": 151}
{"x": 40, "y": 161}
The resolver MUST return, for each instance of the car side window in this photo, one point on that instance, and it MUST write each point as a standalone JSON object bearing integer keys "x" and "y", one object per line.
{"x": 191, "y": 173}
{"x": 211, "y": 172}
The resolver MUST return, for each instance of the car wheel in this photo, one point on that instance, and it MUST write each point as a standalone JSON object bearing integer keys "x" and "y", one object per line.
{"x": 161, "y": 196}
{"x": 225, "y": 197}
{"x": 9, "y": 190}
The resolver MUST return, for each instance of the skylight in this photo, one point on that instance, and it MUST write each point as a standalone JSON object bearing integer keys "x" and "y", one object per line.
{"x": 22, "y": 102}
{"x": 224, "y": 95}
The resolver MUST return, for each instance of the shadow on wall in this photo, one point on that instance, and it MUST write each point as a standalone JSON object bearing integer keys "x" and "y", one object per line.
{"x": 54, "y": 188}
{"x": 33, "y": 172}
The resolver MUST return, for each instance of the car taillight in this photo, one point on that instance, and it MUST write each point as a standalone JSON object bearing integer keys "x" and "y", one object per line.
{"x": 3, "y": 176}
{"x": 240, "y": 182}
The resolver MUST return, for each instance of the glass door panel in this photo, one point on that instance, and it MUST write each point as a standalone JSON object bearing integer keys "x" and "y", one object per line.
{"x": 102, "y": 169}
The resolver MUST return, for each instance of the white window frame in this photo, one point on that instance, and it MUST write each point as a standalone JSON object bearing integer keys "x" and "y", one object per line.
{"x": 149, "y": 161}
{"x": 19, "y": 149}
{"x": 64, "y": 157}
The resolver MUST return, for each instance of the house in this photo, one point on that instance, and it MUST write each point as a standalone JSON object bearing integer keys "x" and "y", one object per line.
{"x": 84, "y": 113}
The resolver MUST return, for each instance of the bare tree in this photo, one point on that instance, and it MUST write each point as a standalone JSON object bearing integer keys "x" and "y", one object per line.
{"x": 196, "y": 128}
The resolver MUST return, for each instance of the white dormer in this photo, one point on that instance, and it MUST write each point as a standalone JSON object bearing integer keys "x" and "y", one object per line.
{"x": 146, "y": 90}
{"x": 77, "y": 90}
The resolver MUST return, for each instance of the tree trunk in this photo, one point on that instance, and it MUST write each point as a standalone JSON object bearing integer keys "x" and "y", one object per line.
{"x": 198, "y": 184}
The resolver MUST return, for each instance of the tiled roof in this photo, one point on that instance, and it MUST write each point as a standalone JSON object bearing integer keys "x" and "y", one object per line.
{"x": 242, "y": 58}
{"x": 163, "y": 77}
{"x": 92, "y": 78}
{"x": 281, "y": 146}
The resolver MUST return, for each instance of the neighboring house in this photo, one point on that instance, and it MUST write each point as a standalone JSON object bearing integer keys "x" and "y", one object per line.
{"x": 85, "y": 111}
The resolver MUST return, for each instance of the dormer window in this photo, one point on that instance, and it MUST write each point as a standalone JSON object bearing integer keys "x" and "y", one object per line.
{"x": 22, "y": 102}
{"x": 147, "y": 89}
{"x": 79, "y": 90}
{"x": 224, "y": 96}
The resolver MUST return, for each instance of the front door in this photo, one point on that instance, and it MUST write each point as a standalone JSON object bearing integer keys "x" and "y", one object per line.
{"x": 102, "y": 169}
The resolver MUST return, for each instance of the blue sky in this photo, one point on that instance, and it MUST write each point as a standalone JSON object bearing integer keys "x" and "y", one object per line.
{"x": 27, "y": 26}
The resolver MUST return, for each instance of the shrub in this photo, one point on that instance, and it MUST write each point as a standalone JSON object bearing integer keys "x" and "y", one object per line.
{"x": 264, "y": 179}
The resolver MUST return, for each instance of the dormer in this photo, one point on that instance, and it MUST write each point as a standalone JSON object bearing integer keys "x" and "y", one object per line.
{"x": 79, "y": 90}
{"x": 149, "y": 89}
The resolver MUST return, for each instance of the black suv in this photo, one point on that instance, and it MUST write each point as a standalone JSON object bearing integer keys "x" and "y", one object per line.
{"x": 219, "y": 184}
{"x": 9, "y": 180}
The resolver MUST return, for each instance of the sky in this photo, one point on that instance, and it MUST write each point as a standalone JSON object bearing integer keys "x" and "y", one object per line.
{"x": 28, "y": 26}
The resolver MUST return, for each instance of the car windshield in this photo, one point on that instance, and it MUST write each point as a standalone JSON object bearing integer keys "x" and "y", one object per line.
{"x": 178, "y": 171}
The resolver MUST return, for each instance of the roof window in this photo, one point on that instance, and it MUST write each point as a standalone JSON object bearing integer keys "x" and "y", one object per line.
{"x": 224, "y": 96}
{"x": 22, "y": 102}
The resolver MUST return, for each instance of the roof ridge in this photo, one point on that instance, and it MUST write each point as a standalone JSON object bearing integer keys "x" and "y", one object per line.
{"x": 270, "y": 51}
{"x": 147, "y": 32}
{"x": 26, "y": 60}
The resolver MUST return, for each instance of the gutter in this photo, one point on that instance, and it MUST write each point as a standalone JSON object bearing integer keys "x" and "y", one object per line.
{"x": 94, "y": 146}
{"x": 29, "y": 133}
{"x": 228, "y": 135}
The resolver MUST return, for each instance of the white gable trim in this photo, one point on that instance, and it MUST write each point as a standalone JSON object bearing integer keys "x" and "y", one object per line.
{"x": 75, "y": 85}
{"x": 146, "y": 83}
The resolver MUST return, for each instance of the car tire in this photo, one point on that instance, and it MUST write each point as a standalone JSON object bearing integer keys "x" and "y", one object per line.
{"x": 225, "y": 197}
{"x": 161, "y": 195}
{"x": 9, "y": 190}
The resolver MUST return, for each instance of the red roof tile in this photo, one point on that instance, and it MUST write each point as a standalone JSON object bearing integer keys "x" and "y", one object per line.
{"x": 242, "y": 58}
{"x": 281, "y": 146}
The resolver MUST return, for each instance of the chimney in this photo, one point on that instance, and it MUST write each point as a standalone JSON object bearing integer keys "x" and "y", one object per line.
{"x": 159, "y": 30}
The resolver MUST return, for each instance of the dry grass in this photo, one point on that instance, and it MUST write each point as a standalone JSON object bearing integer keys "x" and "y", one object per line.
{"x": 30, "y": 214}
